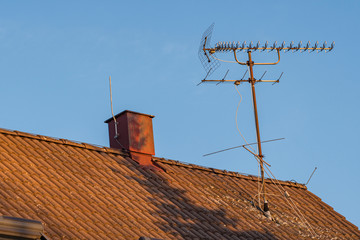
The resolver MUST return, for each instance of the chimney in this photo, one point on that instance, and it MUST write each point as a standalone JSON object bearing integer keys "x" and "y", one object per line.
{"x": 133, "y": 132}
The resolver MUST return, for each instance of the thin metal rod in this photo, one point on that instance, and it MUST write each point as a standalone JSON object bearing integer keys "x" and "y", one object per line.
{"x": 204, "y": 50}
{"x": 311, "y": 176}
{"x": 266, "y": 80}
{"x": 227, "y": 149}
{"x": 244, "y": 75}
{"x": 112, "y": 111}
{"x": 250, "y": 63}
{"x": 263, "y": 75}
{"x": 208, "y": 80}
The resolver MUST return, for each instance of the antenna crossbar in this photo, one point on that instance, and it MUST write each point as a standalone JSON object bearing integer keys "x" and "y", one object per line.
{"x": 237, "y": 82}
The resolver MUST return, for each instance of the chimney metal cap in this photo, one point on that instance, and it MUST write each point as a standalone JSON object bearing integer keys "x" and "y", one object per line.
{"x": 117, "y": 115}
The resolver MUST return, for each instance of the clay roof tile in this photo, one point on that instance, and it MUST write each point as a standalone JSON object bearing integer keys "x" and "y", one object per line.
{"x": 83, "y": 191}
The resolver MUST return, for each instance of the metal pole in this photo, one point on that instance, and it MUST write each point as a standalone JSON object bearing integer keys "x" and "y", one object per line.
{"x": 250, "y": 63}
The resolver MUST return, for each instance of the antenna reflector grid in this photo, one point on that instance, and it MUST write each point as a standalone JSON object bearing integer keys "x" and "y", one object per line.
{"x": 208, "y": 61}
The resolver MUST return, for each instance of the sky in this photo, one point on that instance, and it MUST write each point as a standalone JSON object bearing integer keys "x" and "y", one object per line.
{"x": 56, "y": 58}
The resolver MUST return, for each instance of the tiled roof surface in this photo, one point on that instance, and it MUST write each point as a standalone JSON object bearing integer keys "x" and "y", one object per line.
{"x": 79, "y": 191}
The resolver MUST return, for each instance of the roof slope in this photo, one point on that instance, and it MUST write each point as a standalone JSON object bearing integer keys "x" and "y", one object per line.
{"x": 79, "y": 191}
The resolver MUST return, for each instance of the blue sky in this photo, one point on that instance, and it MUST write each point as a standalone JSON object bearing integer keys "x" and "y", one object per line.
{"x": 56, "y": 57}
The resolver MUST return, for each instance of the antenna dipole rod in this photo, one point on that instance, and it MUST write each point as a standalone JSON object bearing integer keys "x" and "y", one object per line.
{"x": 227, "y": 149}
{"x": 250, "y": 63}
{"x": 311, "y": 176}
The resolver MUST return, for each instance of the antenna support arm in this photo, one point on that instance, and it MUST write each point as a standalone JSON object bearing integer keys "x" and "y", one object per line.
{"x": 237, "y": 59}
{"x": 274, "y": 63}
{"x": 278, "y": 52}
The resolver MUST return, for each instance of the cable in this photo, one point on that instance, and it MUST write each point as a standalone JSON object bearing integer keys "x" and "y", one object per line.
{"x": 236, "y": 114}
{"x": 258, "y": 184}
{"x": 292, "y": 204}
{"x": 222, "y": 60}
{"x": 259, "y": 188}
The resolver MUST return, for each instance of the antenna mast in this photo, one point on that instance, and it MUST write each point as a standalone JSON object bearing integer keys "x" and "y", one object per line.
{"x": 211, "y": 62}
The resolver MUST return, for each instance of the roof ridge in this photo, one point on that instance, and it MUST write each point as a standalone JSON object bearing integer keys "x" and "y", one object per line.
{"x": 63, "y": 141}
{"x": 156, "y": 159}
{"x": 226, "y": 172}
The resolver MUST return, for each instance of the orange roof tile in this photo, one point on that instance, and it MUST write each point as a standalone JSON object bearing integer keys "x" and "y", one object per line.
{"x": 82, "y": 191}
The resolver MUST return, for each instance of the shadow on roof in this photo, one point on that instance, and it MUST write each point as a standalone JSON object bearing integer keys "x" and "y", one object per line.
{"x": 185, "y": 220}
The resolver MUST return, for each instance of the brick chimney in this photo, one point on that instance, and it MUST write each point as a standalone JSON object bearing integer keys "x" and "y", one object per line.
{"x": 133, "y": 132}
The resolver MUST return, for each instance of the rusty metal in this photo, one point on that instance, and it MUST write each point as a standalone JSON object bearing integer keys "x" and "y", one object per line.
{"x": 236, "y": 48}
{"x": 250, "y": 63}
{"x": 134, "y": 134}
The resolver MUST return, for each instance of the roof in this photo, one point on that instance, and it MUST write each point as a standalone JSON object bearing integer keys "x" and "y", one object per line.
{"x": 80, "y": 191}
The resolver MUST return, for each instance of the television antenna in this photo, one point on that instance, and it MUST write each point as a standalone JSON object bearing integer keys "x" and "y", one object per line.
{"x": 210, "y": 62}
